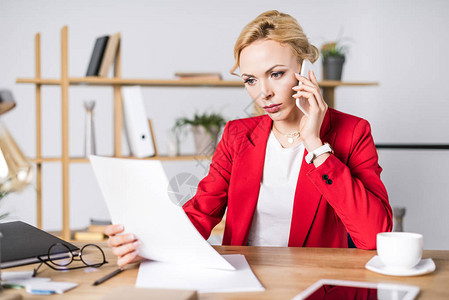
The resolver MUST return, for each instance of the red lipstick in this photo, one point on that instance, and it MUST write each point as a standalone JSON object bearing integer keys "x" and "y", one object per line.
{"x": 272, "y": 108}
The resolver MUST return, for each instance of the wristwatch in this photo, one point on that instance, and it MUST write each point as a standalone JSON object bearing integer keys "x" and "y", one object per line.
{"x": 326, "y": 148}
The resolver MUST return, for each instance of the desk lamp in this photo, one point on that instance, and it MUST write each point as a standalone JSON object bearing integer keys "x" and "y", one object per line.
{"x": 15, "y": 170}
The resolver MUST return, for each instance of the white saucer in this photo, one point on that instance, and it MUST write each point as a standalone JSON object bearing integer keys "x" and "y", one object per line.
{"x": 423, "y": 267}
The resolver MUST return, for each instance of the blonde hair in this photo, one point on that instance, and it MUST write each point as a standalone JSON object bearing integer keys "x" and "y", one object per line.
{"x": 279, "y": 27}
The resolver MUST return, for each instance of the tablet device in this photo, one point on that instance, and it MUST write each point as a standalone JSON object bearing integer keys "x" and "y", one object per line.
{"x": 330, "y": 289}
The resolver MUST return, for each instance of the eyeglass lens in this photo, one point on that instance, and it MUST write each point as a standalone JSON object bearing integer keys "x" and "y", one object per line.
{"x": 92, "y": 255}
{"x": 60, "y": 255}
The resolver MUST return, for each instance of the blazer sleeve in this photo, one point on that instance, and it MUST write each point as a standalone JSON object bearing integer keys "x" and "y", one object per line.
{"x": 206, "y": 209}
{"x": 355, "y": 190}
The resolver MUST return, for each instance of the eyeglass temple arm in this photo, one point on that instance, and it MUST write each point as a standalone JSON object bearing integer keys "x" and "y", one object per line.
{"x": 38, "y": 267}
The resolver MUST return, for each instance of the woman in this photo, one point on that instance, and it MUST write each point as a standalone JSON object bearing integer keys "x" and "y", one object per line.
{"x": 287, "y": 178}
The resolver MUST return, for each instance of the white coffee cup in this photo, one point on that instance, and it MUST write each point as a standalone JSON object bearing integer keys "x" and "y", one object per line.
{"x": 399, "y": 250}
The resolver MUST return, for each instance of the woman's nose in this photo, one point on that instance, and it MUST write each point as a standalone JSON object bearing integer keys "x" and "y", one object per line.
{"x": 266, "y": 92}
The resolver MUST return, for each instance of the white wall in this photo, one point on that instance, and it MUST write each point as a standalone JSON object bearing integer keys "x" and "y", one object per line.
{"x": 401, "y": 44}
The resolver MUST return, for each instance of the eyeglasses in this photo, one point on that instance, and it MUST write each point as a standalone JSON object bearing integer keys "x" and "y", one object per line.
{"x": 60, "y": 256}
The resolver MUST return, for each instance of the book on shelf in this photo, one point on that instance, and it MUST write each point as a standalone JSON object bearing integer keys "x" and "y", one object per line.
{"x": 153, "y": 137}
{"x": 96, "y": 228}
{"x": 98, "y": 225}
{"x": 97, "y": 56}
{"x": 94, "y": 232}
{"x": 136, "y": 123}
{"x": 198, "y": 75}
{"x": 100, "y": 222}
{"x": 110, "y": 54}
{"x": 89, "y": 236}
{"x": 22, "y": 244}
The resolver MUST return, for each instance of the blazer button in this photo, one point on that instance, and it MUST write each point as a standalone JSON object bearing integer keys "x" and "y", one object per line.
{"x": 329, "y": 181}
{"x": 325, "y": 177}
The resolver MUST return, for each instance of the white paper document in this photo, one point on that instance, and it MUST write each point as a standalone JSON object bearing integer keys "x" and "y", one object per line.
{"x": 154, "y": 274}
{"x": 136, "y": 194}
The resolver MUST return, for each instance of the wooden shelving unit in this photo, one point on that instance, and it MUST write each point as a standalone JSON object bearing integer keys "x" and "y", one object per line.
{"x": 65, "y": 81}
{"x": 116, "y": 83}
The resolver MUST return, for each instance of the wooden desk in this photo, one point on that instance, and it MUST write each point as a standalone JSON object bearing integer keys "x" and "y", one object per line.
{"x": 283, "y": 271}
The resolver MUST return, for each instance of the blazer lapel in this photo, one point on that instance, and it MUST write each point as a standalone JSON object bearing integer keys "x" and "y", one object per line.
{"x": 307, "y": 197}
{"x": 252, "y": 158}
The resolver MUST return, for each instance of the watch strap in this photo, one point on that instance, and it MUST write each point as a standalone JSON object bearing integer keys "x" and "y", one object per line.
{"x": 326, "y": 148}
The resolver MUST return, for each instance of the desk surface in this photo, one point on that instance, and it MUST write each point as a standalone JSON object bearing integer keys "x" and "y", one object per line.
{"x": 284, "y": 272}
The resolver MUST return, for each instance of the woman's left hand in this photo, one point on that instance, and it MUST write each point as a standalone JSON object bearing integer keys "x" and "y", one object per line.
{"x": 310, "y": 125}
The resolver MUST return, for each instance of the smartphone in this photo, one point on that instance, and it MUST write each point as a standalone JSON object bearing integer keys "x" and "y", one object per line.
{"x": 302, "y": 103}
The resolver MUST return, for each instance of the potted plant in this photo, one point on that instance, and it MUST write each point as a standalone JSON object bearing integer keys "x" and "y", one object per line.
{"x": 334, "y": 55}
{"x": 205, "y": 128}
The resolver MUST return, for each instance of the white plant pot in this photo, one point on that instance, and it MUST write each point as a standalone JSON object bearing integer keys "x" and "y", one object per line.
{"x": 205, "y": 142}
{"x": 172, "y": 144}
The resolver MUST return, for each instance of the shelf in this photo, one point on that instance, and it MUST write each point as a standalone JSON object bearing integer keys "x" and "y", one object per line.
{"x": 86, "y": 160}
{"x": 414, "y": 146}
{"x": 169, "y": 82}
{"x": 335, "y": 83}
{"x": 41, "y": 81}
{"x": 98, "y": 81}
{"x": 45, "y": 159}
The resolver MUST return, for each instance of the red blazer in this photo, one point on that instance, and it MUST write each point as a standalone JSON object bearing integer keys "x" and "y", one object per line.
{"x": 344, "y": 194}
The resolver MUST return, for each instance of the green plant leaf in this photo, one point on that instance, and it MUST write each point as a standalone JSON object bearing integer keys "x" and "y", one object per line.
{"x": 208, "y": 120}
{"x": 333, "y": 49}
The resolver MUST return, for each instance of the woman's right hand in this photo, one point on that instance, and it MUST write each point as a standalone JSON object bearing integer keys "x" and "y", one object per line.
{"x": 124, "y": 246}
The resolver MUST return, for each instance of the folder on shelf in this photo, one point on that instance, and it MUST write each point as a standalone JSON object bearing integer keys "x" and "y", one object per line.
{"x": 97, "y": 56}
{"x": 136, "y": 123}
{"x": 22, "y": 244}
{"x": 109, "y": 54}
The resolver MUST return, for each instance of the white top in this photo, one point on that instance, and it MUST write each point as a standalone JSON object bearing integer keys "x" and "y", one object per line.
{"x": 273, "y": 214}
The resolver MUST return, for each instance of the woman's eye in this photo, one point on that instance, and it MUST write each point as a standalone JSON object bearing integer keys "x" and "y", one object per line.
{"x": 250, "y": 81}
{"x": 277, "y": 74}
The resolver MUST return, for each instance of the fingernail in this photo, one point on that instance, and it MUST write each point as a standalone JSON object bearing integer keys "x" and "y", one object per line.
{"x": 131, "y": 237}
{"x": 136, "y": 243}
{"x": 120, "y": 227}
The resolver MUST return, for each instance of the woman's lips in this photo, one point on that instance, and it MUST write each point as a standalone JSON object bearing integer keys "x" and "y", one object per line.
{"x": 272, "y": 108}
